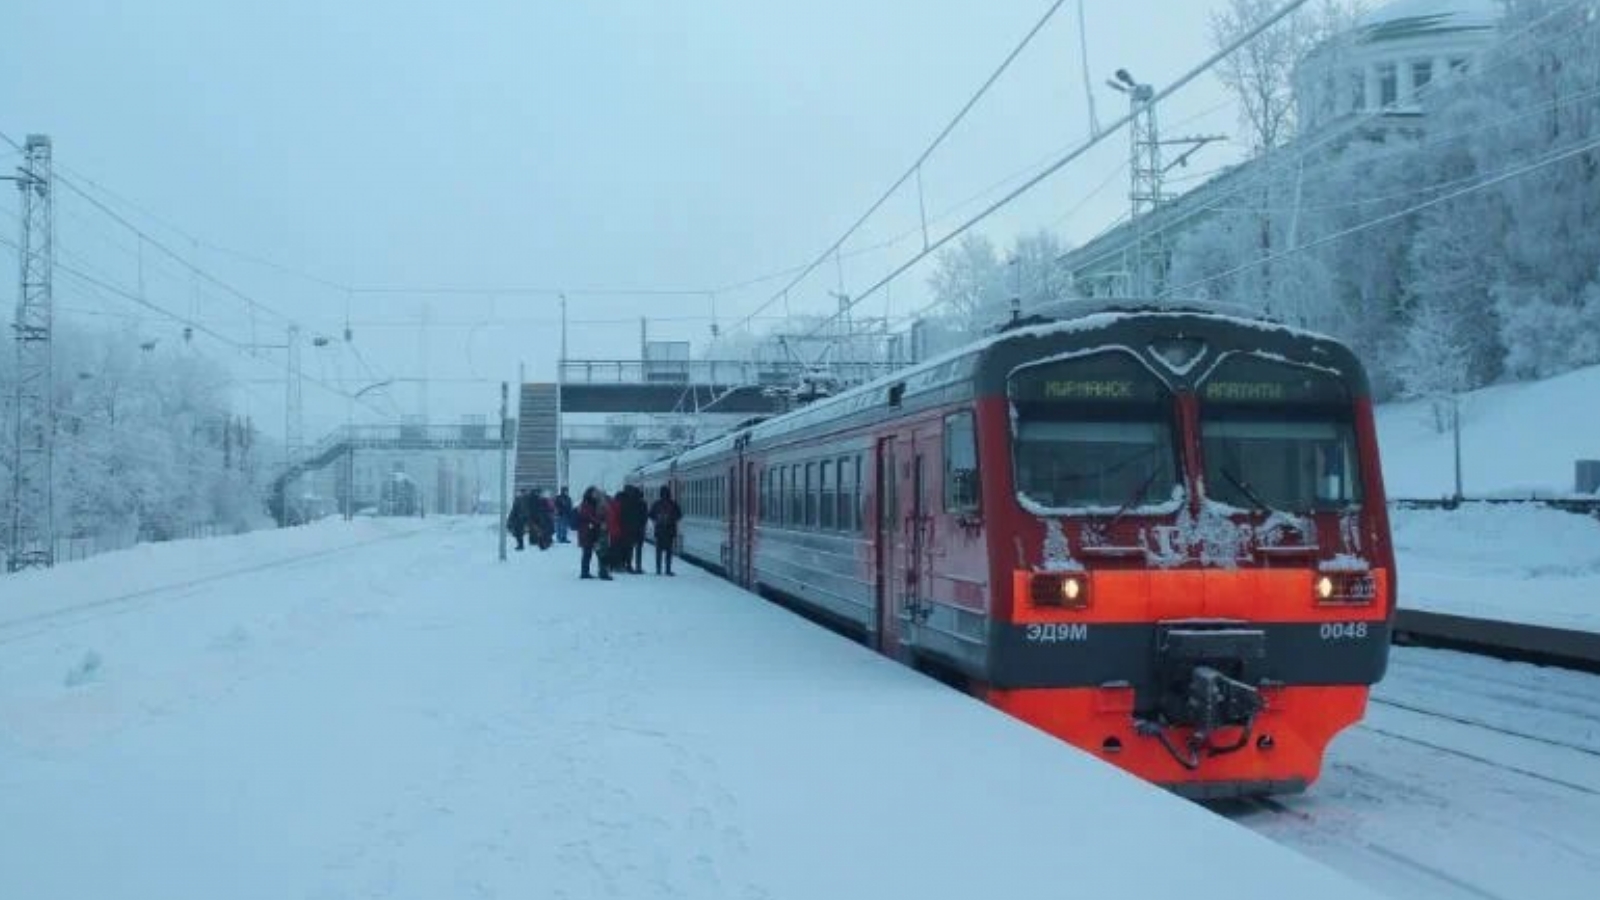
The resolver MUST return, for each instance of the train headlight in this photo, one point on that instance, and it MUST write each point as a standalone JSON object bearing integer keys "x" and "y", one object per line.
{"x": 1071, "y": 590}
{"x": 1064, "y": 591}
{"x": 1345, "y": 588}
{"x": 1324, "y": 588}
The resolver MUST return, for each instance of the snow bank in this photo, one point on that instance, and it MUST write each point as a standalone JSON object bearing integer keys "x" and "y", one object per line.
{"x": 1513, "y": 562}
{"x": 410, "y": 719}
{"x": 1516, "y": 440}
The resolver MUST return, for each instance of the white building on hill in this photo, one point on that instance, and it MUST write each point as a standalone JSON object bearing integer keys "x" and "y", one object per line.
{"x": 1391, "y": 57}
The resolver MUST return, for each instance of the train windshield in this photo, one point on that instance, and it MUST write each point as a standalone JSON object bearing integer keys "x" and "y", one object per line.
{"x": 1278, "y": 437}
{"x": 1093, "y": 432}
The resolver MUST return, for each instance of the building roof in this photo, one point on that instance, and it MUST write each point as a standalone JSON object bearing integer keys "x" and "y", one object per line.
{"x": 1403, "y": 19}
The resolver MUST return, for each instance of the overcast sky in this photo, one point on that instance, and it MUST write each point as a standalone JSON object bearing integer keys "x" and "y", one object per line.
{"x": 520, "y": 143}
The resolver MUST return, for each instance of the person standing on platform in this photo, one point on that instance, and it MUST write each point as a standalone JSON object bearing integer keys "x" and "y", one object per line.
{"x": 636, "y": 515}
{"x": 563, "y": 516}
{"x": 517, "y": 518}
{"x": 592, "y": 533}
{"x": 666, "y": 514}
{"x": 617, "y": 531}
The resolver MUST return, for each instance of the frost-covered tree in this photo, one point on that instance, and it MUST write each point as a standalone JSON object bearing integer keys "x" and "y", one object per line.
{"x": 968, "y": 284}
{"x": 145, "y": 443}
{"x": 1260, "y": 75}
{"x": 1040, "y": 278}
{"x": 1469, "y": 237}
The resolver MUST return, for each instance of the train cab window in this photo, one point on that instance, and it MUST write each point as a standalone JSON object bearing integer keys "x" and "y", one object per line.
{"x": 1094, "y": 432}
{"x": 960, "y": 463}
{"x": 1277, "y": 436}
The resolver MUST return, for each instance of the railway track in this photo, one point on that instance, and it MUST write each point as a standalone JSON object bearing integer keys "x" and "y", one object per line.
{"x": 1487, "y": 726}
{"x": 30, "y": 626}
{"x": 1479, "y": 758}
{"x": 1469, "y": 779}
{"x": 1301, "y": 819}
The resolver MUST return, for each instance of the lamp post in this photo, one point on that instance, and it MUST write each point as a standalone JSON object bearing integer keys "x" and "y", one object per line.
{"x": 350, "y": 446}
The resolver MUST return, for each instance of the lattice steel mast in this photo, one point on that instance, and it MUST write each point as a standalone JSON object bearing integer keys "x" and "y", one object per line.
{"x": 33, "y": 424}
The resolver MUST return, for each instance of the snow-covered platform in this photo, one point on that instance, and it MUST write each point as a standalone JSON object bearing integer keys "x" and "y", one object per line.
{"x": 407, "y": 718}
{"x": 1468, "y": 573}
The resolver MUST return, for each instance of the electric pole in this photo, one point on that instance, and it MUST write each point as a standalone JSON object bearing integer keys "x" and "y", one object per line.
{"x": 1147, "y": 269}
{"x": 505, "y": 446}
{"x": 32, "y": 497}
{"x": 561, "y": 380}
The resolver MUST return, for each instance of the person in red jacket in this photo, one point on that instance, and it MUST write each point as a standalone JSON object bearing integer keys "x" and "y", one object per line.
{"x": 592, "y": 538}
{"x": 617, "y": 532}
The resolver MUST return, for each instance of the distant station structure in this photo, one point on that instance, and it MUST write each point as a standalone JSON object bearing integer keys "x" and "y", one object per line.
{"x": 661, "y": 402}
{"x": 380, "y": 469}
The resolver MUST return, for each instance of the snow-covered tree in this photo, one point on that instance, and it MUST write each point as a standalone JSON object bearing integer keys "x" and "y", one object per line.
{"x": 1260, "y": 75}
{"x": 145, "y": 443}
{"x": 968, "y": 284}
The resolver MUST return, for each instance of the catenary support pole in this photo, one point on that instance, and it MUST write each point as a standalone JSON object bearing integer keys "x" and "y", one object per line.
{"x": 505, "y": 444}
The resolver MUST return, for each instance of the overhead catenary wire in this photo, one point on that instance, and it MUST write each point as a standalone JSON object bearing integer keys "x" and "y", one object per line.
{"x": 916, "y": 166}
{"x": 1183, "y": 80}
{"x": 1501, "y": 177}
{"x": 200, "y": 327}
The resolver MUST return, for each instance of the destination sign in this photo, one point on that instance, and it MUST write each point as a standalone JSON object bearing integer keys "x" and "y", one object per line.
{"x": 1100, "y": 378}
{"x": 1088, "y": 390}
{"x": 1245, "y": 391}
{"x": 1250, "y": 380}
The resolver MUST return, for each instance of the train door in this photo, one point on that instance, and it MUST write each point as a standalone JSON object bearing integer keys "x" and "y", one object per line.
{"x": 749, "y": 500}
{"x": 918, "y": 454}
{"x": 732, "y": 503}
{"x": 889, "y": 552}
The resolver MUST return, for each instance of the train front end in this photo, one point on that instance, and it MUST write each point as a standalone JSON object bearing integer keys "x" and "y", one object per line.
{"x": 1194, "y": 575}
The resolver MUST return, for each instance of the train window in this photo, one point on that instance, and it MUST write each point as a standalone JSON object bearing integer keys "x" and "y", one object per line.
{"x": 960, "y": 463}
{"x": 826, "y": 508}
{"x": 796, "y": 509}
{"x": 1278, "y": 436}
{"x": 1095, "y": 432}
{"x": 844, "y": 518}
{"x": 856, "y": 505}
{"x": 810, "y": 514}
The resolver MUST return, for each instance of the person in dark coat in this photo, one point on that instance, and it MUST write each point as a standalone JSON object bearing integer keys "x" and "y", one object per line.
{"x": 517, "y": 518}
{"x": 636, "y": 515}
{"x": 592, "y": 532}
{"x": 563, "y": 516}
{"x": 665, "y": 513}
{"x": 541, "y": 513}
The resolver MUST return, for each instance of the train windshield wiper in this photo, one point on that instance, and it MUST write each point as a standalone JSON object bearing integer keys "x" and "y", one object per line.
{"x": 1244, "y": 489}
{"x": 1138, "y": 497}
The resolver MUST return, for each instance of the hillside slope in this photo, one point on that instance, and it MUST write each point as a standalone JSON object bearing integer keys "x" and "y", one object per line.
{"x": 1516, "y": 439}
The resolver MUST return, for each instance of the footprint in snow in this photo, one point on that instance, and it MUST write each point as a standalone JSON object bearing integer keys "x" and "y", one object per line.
{"x": 86, "y": 671}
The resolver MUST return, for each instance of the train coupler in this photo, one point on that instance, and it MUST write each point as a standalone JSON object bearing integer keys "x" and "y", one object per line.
{"x": 1199, "y": 695}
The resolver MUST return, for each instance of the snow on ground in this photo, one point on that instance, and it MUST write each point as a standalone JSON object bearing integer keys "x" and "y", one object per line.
{"x": 1512, "y": 562}
{"x": 1516, "y": 440}
{"x": 147, "y": 566}
{"x": 408, "y": 718}
{"x": 1515, "y": 563}
{"x": 1470, "y": 778}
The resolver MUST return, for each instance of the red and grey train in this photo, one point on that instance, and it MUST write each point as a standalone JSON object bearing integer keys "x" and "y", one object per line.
{"x": 1159, "y": 535}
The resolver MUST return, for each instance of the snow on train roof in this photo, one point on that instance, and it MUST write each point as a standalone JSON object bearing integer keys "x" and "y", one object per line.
{"x": 1111, "y": 314}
